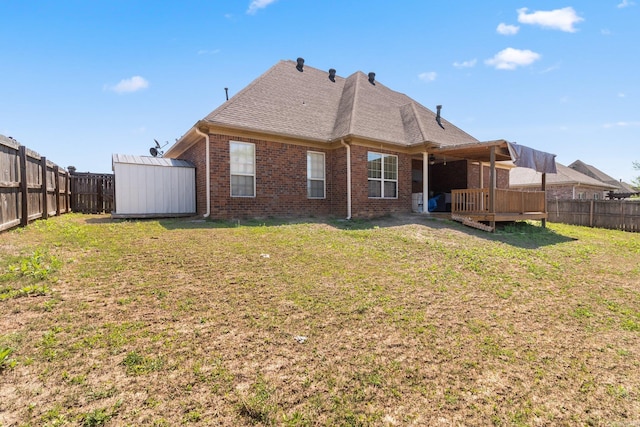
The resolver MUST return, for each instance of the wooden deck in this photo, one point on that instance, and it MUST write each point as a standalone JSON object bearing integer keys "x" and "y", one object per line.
{"x": 507, "y": 205}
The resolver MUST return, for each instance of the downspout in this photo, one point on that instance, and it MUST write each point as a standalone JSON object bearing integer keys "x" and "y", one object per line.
{"x": 425, "y": 182}
{"x": 348, "y": 147}
{"x": 207, "y": 169}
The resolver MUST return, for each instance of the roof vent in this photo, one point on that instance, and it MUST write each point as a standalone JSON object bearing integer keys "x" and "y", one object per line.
{"x": 332, "y": 74}
{"x": 438, "y": 119}
{"x": 372, "y": 78}
{"x": 300, "y": 64}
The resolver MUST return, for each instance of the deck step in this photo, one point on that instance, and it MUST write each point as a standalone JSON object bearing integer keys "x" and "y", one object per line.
{"x": 471, "y": 223}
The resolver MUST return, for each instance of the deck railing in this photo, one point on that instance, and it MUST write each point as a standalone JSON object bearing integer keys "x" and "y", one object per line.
{"x": 476, "y": 200}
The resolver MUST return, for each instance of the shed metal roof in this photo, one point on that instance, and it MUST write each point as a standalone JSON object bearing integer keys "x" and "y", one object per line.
{"x": 150, "y": 161}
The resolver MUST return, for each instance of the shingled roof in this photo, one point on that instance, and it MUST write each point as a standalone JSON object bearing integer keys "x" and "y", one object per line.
{"x": 308, "y": 105}
{"x": 524, "y": 177}
{"x": 596, "y": 173}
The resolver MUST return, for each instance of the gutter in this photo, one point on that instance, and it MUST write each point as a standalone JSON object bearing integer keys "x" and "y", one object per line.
{"x": 208, "y": 170}
{"x": 348, "y": 147}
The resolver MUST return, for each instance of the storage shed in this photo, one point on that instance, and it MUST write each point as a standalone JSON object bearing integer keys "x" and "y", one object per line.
{"x": 148, "y": 187}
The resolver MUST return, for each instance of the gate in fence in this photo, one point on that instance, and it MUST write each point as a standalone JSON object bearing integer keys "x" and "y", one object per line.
{"x": 92, "y": 193}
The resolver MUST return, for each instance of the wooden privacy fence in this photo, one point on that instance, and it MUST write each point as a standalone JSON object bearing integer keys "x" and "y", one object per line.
{"x": 92, "y": 192}
{"x": 614, "y": 214}
{"x": 31, "y": 187}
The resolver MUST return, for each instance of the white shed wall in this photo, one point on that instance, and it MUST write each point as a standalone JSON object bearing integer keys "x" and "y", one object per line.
{"x": 154, "y": 190}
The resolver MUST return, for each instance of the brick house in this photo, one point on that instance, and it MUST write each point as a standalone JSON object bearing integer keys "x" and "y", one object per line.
{"x": 567, "y": 184}
{"x": 299, "y": 141}
{"x": 623, "y": 190}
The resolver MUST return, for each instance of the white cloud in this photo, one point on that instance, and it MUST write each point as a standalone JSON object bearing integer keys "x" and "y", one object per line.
{"x": 605, "y": 32}
{"x": 559, "y": 19}
{"x": 139, "y": 131}
{"x": 208, "y": 52}
{"x": 257, "y": 5}
{"x": 625, "y": 3}
{"x": 621, "y": 95}
{"x": 622, "y": 124}
{"x": 507, "y": 30}
{"x": 133, "y": 84}
{"x": 510, "y": 58}
{"x": 550, "y": 69}
{"x": 428, "y": 77}
{"x": 466, "y": 64}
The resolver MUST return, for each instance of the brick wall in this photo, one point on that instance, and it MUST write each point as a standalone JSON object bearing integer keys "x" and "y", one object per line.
{"x": 473, "y": 176}
{"x": 196, "y": 155}
{"x": 281, "y": 181}
{"x": 362, "y": 205}
{"x": 338, "y": 189}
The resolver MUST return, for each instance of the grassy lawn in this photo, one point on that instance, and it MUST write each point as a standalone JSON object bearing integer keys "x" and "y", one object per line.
{"x": 396, "y": 321}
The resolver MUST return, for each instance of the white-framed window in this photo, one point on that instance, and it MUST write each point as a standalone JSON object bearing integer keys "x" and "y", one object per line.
{"x": 383, "y": 175}
{"x": 596, "y": 196}
{"x": 242, "y": 159}
{"x": 316, "y": 182}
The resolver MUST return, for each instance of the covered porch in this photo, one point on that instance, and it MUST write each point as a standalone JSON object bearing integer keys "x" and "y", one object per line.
{"x": 484, "y": 206}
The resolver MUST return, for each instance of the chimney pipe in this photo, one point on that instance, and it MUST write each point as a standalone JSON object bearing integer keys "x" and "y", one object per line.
{"x": 226, "y": 92}
{"x": 300, "y": 64}
{"x": 438, "y": 118}
{"x": 332, "y": 74}
{"x": 372, "y": 78}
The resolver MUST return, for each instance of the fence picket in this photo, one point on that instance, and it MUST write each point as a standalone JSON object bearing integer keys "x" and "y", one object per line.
{"x": 613, "y": 214}
{"x": 92, "y": 192}
{"x": 29, "y": 186}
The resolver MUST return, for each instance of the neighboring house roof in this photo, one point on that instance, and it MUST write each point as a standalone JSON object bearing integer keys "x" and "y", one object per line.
{"x": 307, "y": 105}
{"x": 523, "y": 177}
{"x": 593, "y": 172}
{"x": 626, "y": 188}
{"x": 150, "y": 161}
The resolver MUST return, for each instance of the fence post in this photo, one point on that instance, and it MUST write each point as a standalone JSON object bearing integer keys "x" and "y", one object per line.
{"x": 591, "y": 213}
{"x": 543, "y": 185}
{"x": 67, "y": 192}
{"x": 43, "y": 181}
{"x": 56, "y": 188}
{"x": 100, "y": 204}
{"x": 24, "y": 187}
{"x": 72, "y": 189}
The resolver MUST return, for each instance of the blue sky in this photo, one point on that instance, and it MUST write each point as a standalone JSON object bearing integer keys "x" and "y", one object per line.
{"x": 81, "y": 80}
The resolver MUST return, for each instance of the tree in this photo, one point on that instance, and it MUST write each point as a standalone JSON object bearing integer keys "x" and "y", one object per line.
{"x": 636, "y": 181}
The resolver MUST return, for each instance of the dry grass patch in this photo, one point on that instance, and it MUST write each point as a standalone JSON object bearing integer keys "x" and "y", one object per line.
{"x": 396, "y": 321}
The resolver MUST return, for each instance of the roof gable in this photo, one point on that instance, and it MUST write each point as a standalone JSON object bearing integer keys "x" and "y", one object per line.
{"x": 597, "y": 174}
{"x": 308, "y": 105}
{"x": 591, "y": 171}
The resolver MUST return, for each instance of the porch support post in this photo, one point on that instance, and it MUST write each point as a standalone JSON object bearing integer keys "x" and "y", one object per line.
{"x": 544, "y": 190}
{"x": 425, "y": 182}
{"x": 492, "y": 186}
{"x": 481, "y": 179}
